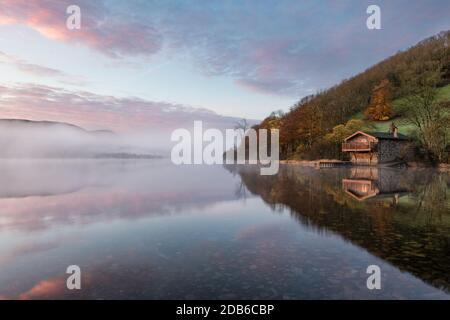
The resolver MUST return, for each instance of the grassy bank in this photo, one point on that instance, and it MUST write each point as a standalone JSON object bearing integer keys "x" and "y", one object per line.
{"x": 405, "y": 128}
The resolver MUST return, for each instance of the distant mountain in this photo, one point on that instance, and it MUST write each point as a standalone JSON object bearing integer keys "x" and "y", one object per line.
{"x": 46, "y": 139}
{"x": 21, "y": 124}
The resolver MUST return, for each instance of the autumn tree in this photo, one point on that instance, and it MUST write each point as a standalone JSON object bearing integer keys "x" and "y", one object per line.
{"x": 431, "y": 117}
{"x": 334, "y": 139}
{"x": 303, "y": 128}
{"x": 380, "y": 108}
{"x": 342, "y": 131}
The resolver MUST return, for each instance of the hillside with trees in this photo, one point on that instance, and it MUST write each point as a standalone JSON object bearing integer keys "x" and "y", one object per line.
{"x": 411, "y": 88}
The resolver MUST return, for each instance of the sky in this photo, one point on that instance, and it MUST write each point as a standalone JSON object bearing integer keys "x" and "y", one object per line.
{"x": 139, "y": 63}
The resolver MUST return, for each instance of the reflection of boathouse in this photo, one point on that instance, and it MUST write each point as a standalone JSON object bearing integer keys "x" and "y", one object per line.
{"x": 369, "y": 182}
{"x": 375, "y": 148}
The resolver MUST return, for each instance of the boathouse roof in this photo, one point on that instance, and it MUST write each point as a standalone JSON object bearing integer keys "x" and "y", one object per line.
{"x": 379, "y": 135}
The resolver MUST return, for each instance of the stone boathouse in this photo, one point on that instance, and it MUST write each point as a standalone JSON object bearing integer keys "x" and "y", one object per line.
{"x": 374, "y": 148}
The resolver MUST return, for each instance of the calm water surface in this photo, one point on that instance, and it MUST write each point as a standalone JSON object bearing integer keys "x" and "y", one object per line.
{"x": 151, "y": 230}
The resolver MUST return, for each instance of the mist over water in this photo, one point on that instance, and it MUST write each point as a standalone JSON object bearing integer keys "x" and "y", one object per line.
{"x": 43, "y": 139}
{"x": 146, "y": 229}
{"x": 25, "y": 139}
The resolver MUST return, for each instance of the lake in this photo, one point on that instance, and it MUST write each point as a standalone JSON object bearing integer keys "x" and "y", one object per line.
{"x": 150, "y": 230}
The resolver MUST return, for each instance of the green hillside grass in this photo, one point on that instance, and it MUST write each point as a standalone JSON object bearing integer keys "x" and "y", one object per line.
{"x": 383, "y": 126}
{"x": 444, "y": 93}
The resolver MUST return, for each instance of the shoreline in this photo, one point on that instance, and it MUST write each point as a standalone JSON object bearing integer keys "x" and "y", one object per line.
{"x": 442, "y": 167}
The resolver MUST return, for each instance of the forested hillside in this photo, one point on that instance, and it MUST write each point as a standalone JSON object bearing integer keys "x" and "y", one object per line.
{"x": 410, "y": 88}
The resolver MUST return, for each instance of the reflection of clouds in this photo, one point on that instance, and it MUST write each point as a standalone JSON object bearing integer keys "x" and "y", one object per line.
{"x": 52, "y": 288}
{"x": 238, "y": 251}
{"x": 273, "y": 231}
{"x": 117, "y": 190}
{"x": 27, "y": 248}
{"x": 45, "y": 289}
{"x": 91, "y": 205}
{"x": 34, "y": 248}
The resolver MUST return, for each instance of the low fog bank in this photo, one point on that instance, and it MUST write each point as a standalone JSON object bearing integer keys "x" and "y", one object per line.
{"x": 45, "y": 139}
{"x": 27, "y": 139}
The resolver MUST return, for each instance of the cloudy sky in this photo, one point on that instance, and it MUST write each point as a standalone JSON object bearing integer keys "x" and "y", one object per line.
{"x": 143, "y": 62}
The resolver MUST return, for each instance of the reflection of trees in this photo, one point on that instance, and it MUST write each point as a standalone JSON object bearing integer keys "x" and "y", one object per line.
{"x": 413, "y": 233}
{"x": 241, "y": 190}
{"x": 431, "y": 196}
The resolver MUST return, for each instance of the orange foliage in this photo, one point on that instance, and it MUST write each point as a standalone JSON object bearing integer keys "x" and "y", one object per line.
{"x": 379, "y": 108}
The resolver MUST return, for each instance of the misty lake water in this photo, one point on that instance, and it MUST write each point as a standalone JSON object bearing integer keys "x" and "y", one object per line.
{"x": 151, "y": 230}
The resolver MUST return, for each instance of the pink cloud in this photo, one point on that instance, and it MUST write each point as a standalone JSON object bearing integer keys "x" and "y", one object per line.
{"x": 303, "y": 45}
{"x": 267, "y": 86}
{"x": 93, "y": 111}
{"x": 99, "y": 30}
{"x": 38, "y": 70}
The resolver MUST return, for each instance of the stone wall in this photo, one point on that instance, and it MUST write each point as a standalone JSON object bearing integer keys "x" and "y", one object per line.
{"x": 385, "y": 150}
{"x": 390, "y": 150}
